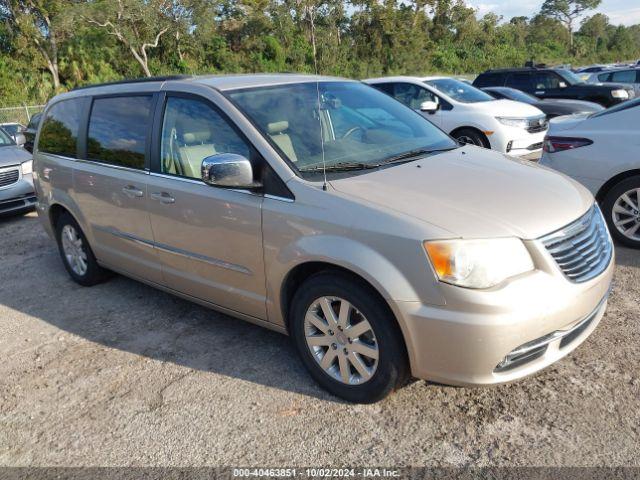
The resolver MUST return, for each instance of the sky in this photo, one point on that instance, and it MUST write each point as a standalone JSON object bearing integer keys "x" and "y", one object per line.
{"x": 625, "y": 12}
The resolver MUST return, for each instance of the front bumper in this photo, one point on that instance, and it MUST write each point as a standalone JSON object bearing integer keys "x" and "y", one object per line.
{"x": 517, "y": 141}
{"x": 18, "y": 197}
{"x": 465, "y": 342}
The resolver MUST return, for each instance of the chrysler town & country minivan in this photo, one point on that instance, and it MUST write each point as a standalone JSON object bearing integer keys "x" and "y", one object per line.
{"x": 325, "y": 209}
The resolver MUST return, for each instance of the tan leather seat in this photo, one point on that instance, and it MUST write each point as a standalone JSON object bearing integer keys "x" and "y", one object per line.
{"x": 277, "y": 133}
{"x": 195, "y": 147}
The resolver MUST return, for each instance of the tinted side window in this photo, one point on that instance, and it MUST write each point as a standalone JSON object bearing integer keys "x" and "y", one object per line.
{"x": 625, "y": 76}
{"x": 118, "y": 129}
{"x": 605, "y": 77}
{"x": 489, "y": 80}
{"x": 521, "y": 81}
{"x": 545, "y": 80}
{"x": 385, "y": 87}
{"x": 59, "y": 132}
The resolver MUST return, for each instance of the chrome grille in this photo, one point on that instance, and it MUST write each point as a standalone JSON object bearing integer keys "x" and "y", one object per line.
{"x": 583, "y": 248}
{"x": 9, "y": 176}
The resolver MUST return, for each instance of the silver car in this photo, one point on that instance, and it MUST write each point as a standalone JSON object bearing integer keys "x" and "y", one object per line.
{"x": 16, "y": 184}
{"x": 324, "y": 209}
{"x": 16, "y": 131}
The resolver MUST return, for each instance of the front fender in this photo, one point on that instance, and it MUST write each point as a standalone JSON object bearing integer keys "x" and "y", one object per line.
{"x": 352, "y": 255}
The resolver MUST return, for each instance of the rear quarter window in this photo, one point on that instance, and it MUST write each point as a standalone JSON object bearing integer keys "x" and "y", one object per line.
{"x": 59, "y": 132}
{"x": 118, "y": 128}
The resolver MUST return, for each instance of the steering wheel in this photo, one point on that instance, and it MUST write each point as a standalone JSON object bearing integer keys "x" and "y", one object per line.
{"x": 352, "y": 130}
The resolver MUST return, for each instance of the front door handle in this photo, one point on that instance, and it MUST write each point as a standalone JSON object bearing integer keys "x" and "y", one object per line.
{"x": 132, "y": 192}
{"x": 163, "y": 197}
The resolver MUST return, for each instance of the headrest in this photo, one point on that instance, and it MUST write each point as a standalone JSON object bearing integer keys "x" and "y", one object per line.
{"x": 277, "y": 127}
{"x": 196, "y": 137}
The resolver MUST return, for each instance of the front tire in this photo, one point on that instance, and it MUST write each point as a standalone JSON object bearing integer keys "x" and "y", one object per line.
{"x": 76, "y": 254}
{"x": 347, "y": 338}
{"x": 621, "y": 209}
{"x": 467, "y": 136}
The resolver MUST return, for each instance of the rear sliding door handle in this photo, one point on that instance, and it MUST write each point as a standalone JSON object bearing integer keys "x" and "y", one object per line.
{"x": 163, "y": 197}
{"x": 132, "y": 192}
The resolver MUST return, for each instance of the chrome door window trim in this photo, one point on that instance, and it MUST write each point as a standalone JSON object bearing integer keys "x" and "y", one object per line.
{"x": 110, "y": 165}
{"x": 200, "y": 182}
{"x": 55, "y": 155}
{"x": 176, "y": 251}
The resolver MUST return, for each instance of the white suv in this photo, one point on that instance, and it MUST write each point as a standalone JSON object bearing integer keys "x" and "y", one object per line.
{"x": 470, "y": 115}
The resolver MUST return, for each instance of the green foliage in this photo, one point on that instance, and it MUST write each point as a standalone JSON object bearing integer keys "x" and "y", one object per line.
{"x": 91, "y": 41}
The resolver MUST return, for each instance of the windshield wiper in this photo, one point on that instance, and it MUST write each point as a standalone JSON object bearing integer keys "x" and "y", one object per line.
{"x": 411, "y": 155}
{"x": 340, "y": 167}
{"x": 401, "y": 158}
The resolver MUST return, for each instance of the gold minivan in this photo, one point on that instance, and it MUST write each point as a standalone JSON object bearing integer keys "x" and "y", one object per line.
{"x": 324, "y": 209}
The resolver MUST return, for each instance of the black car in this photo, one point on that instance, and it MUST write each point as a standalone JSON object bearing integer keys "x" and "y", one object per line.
{"x": 554, "y": 83}
{"x": 30, "y": 132}
{"x": 552, "y": 107}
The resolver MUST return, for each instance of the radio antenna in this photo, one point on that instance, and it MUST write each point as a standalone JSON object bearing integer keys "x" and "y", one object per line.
{"x": 315, "y": 66}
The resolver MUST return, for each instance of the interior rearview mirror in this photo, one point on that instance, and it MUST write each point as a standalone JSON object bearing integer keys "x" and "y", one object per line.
{"x": 228, "y": 170}
{"x": 429, "y": 107}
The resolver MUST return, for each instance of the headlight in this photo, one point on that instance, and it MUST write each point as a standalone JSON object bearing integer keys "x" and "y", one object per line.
{"x": 620, "y": 94}
{"x": 478, "y": 263}
{"x": 514, "y": 122}
{"x": 27, "y": 167}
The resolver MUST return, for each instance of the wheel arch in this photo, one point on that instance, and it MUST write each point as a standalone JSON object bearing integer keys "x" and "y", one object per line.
{"x": 303, "y": 271}
{"x": 484, "y": 138}
{"x": 613, "y": 181}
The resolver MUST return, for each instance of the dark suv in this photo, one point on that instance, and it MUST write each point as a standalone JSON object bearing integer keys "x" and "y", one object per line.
{"x": 554, "y": 83}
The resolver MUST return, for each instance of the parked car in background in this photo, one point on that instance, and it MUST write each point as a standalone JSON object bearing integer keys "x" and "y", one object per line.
{"x": 16, "y": 183}
{"x": 592, "y": 69}
{"x": 30, "y": 132}
{"x": 554, "y": 83}
{"x": 552, "y": 107}
{"x": 15, "y": 130}
{"x": 323, "y": 208}
{"x": 630, "y": 76}
{"x": 601, "y": 151}
{"x": 470, "y": 115}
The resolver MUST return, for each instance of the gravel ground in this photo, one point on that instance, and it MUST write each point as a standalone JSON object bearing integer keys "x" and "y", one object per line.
{"x": 122, "y": 374}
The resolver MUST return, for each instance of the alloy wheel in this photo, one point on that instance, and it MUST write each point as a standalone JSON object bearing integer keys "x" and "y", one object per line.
{"x": 468, "y": 140}
{"x": 341, "y": 340}
{"x": 626, "y": 214}
{"x": 73, "y": 249}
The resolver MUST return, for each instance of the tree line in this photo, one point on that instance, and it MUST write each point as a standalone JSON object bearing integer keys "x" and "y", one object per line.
{"x": 48, "y": 46}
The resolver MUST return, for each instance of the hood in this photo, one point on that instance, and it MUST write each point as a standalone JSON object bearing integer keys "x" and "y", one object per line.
{"x": 578, "y": 104}
{"x": 507, "y": 108}
{"x": 567, "y": 122}
{"x": 474, "y": 193}
{"x": 13, "y": 155}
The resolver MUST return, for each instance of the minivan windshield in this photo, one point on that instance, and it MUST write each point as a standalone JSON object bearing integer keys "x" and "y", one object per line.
{"x": 460, "y": 91}
{"x": 5, "y": 139}
{"x": 360, "y": 127}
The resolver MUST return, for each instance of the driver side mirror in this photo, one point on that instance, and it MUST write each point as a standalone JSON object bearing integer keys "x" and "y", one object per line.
{"x": 430, "y": 107}
{"x": 228, "y": 170}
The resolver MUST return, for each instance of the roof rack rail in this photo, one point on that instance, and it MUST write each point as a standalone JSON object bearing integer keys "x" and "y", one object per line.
{"x": 135, "y": 80}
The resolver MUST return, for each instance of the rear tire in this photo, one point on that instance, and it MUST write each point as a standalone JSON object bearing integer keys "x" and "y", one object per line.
{"x": 357, "y": 353}
{"x": 468, "y": 136}
{"x": 76, "y": 253}
{"x": 621, "y": 210}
